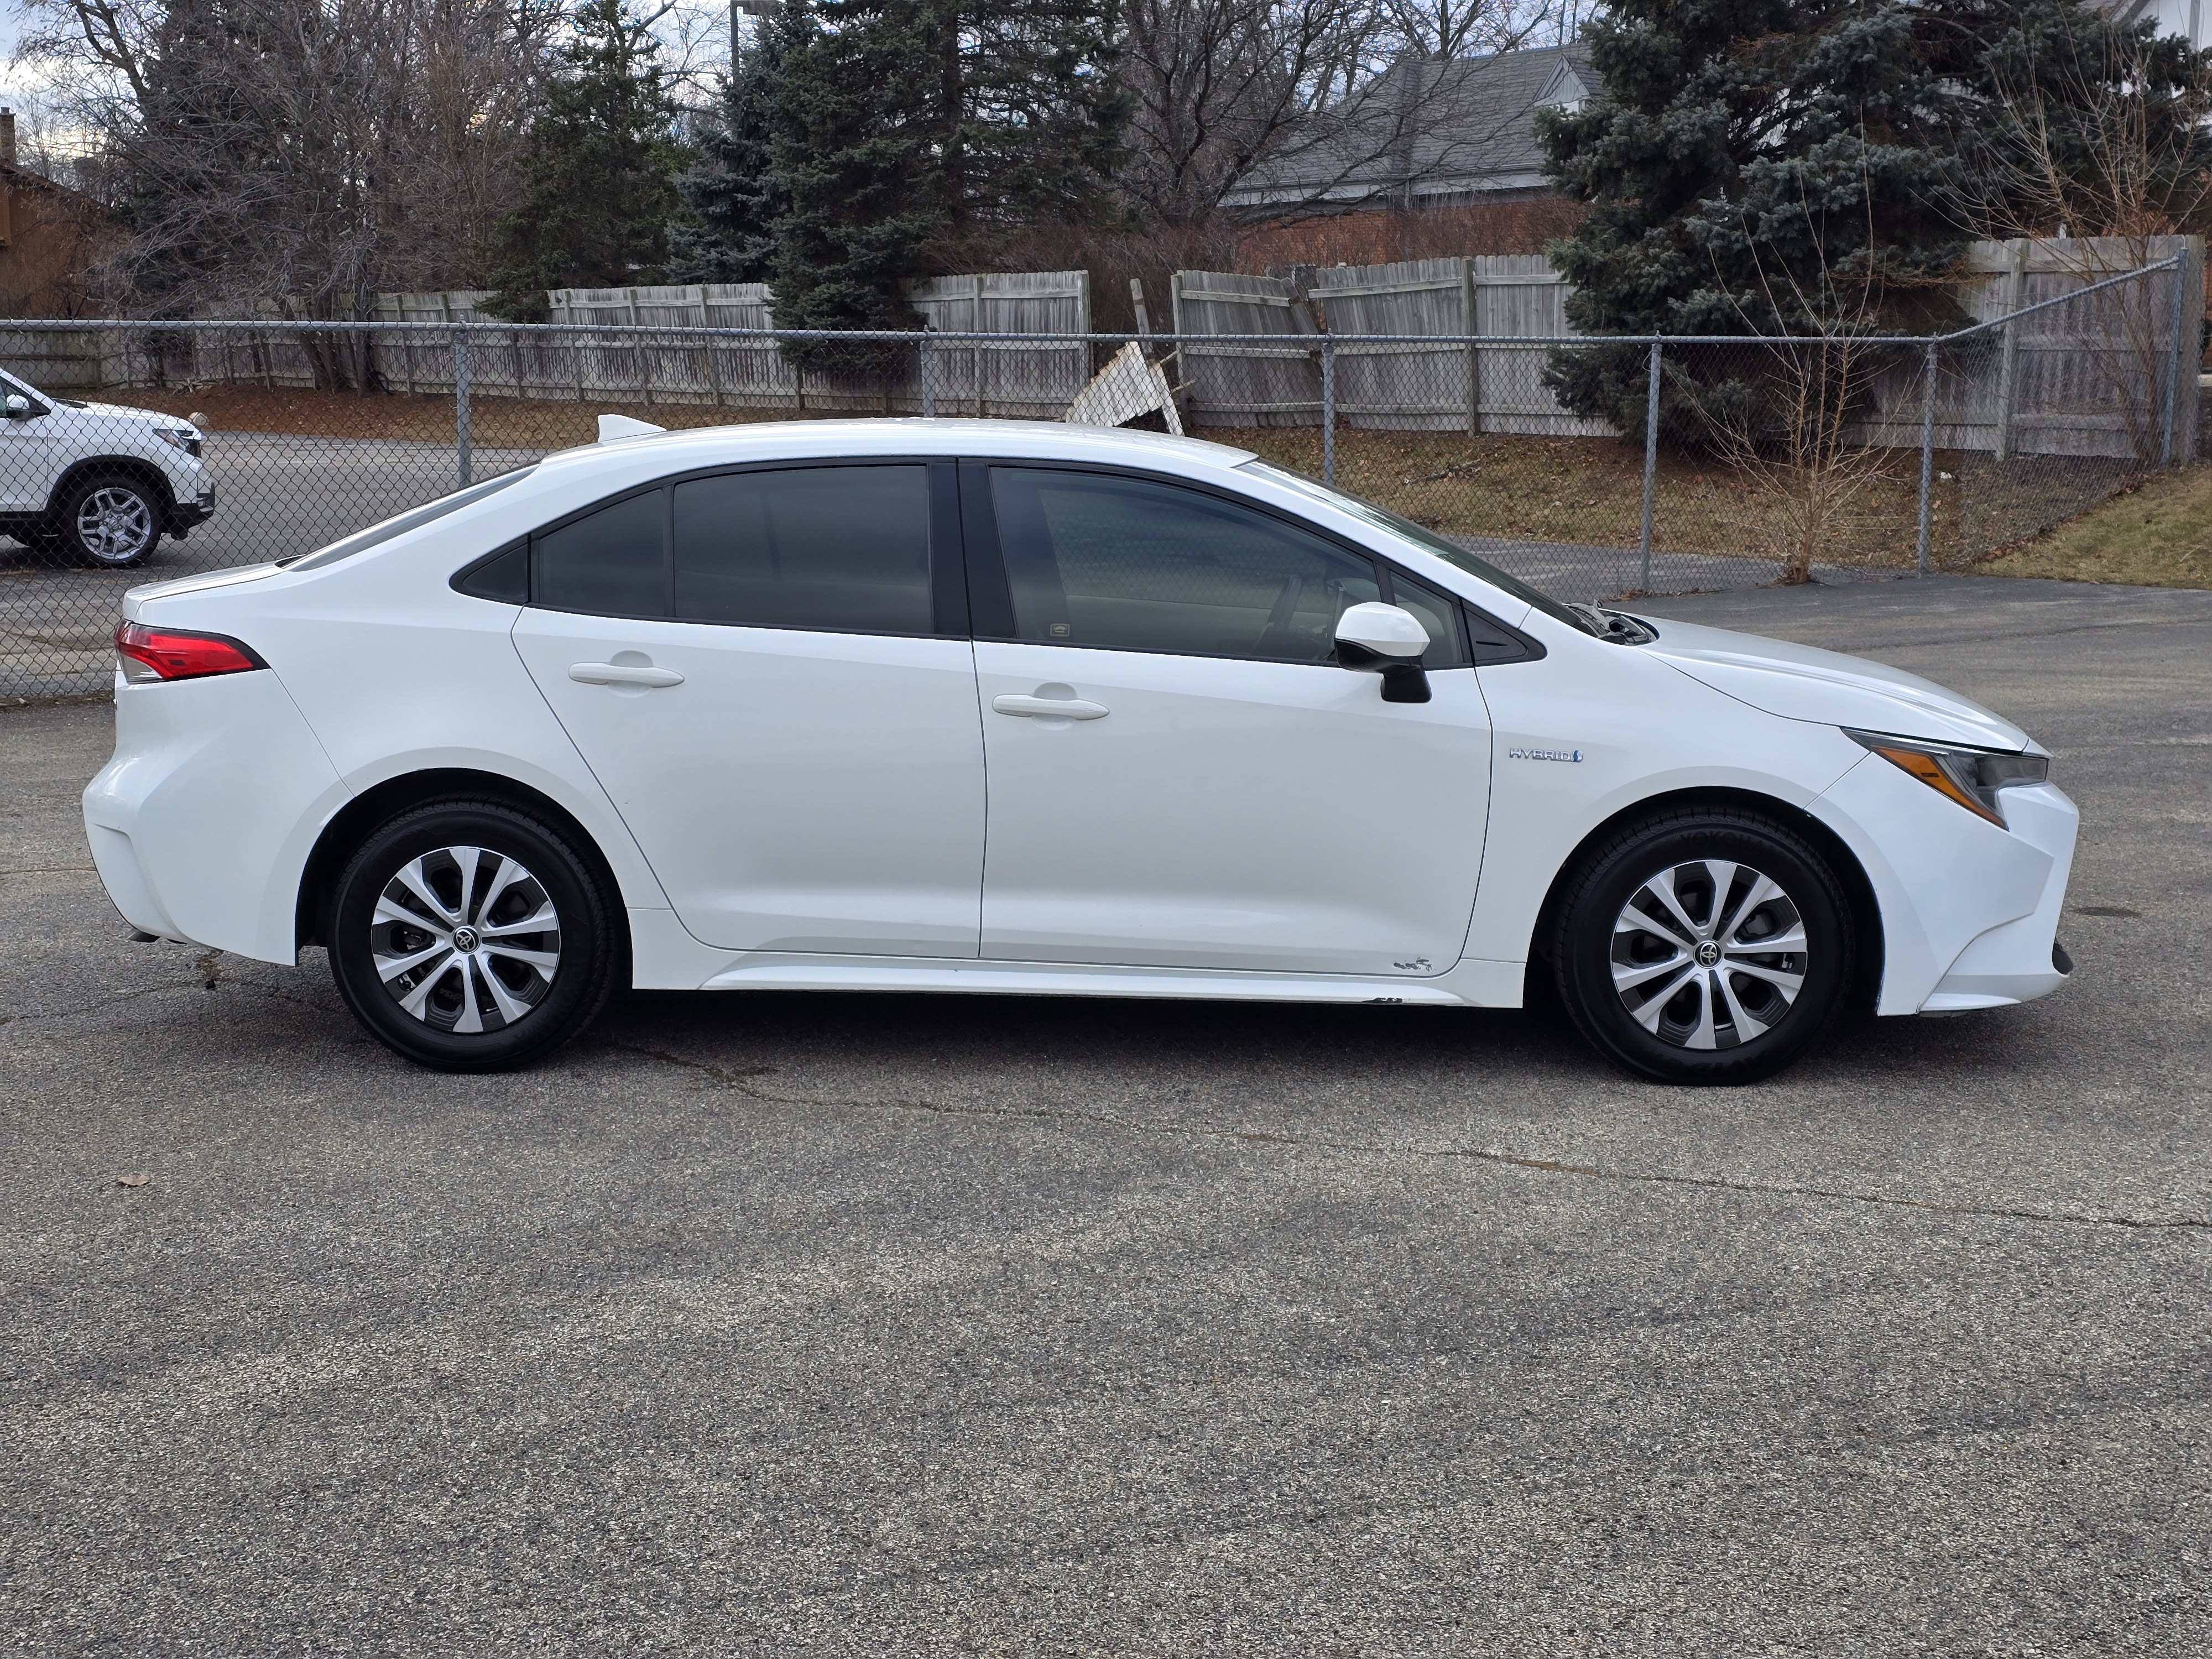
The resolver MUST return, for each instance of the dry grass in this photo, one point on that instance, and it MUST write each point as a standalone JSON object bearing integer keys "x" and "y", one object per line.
{"x": 1590, "y": 490}
{"x": 2158, "y": 534}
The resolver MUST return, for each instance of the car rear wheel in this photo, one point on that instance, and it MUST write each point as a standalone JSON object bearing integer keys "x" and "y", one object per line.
{"x": 470, "y": 937}
{"x": 1709, "y": 946}
{"x": 111, "y": 520}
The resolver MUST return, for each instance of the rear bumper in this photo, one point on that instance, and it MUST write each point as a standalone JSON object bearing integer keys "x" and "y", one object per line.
{"x": 201, "y": 825}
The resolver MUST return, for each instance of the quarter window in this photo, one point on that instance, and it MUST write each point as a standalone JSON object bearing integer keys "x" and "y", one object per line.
{"x": 1439, "y": 615}
{"x": 1094, "y": 559}
{"x": 611, "y": 562}
{"x": 841, "y": 548}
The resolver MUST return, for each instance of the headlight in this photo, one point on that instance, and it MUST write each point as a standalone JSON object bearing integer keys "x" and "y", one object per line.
{"x": 1974, "y": 778}
{"x": 180, "y": 437}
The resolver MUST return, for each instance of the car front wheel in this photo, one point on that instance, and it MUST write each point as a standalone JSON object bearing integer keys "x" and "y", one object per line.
{"x": 111, "y": 520}
{"x": 1711, "y": 946}
{"x": 470, "y": 937}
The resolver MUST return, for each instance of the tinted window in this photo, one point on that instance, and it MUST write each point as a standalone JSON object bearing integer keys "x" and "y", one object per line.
{"x": 1439, "y": 615}
{"x": 838, "y": 548}
{"x": 612, "y": 563}
{"x": 1383, "y": 519}
{"x": 1102, "y": 561}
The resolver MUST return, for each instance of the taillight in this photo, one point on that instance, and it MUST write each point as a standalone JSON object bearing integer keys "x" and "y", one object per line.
{"x": 169, "y": 654}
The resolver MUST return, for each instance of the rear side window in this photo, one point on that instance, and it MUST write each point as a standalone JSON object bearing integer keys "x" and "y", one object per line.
{"x": 1094, "y": 559}
{"x": 611, "y": 562}
{"x": 840, "y": 548}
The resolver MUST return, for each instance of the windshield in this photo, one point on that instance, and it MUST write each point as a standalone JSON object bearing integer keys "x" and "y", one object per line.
{"x": 1383, "y": 518}
{"x": 361, "y": 541}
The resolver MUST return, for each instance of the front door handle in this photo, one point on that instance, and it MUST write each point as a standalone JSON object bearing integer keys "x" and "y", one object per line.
{"x": 622, "y": 674}
{"x": 1057, "y": 708}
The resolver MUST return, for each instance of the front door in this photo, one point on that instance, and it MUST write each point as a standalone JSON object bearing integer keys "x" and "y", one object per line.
{"x": 1219, "y": 793}
{"x": 759, "y": 667}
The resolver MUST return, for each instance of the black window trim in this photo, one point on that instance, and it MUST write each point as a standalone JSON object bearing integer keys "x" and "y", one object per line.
{"x": 991, "y": 597}
{"x": 948, "y": 563}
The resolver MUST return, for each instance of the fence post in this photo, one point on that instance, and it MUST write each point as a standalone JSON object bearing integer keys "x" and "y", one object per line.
{"x": 1328, "y": 410}
{"x": 2016, "y": 295}
{"x": 2176, "y": 361}
{"x": 1651, "y": 471}
{"x": 461, "y": 402}
{"x": 928, "y": 387}
{"x": 1927, "y": 453}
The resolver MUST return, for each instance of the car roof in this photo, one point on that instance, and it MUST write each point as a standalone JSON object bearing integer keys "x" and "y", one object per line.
{"x": 836, "y": 440}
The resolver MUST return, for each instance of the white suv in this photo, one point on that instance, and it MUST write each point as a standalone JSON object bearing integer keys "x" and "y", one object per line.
{"x": 96, "y": 482}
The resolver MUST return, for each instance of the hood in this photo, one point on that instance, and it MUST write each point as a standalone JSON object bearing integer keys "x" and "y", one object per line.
{"x": 125, "y": 412}
{"x": 1803, "y": 683}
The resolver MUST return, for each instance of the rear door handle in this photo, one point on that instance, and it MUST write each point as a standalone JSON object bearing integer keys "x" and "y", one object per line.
{"x": 1058, "y": 708}
{"x": 617, "y": 673}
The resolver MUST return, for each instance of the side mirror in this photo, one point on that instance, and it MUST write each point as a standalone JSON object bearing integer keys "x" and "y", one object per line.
{"x": 1386, "y": 640}
{"x": 18, "y": 406}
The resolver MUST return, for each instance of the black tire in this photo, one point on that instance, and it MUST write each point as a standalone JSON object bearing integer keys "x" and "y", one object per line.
{"x": 1757, "y": 1025}
{"x": 132, "y": 509}
{"x": 458, "y": 1023}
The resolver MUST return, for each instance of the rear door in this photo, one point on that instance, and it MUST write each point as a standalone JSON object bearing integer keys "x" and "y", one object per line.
{"x": 768, "y": 671}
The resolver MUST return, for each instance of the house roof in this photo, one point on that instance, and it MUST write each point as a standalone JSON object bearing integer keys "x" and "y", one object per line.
{"x": 1435, "y": 126}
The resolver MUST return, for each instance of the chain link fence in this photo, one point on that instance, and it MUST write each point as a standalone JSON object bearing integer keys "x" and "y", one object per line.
{"x": 1594, "y": 467}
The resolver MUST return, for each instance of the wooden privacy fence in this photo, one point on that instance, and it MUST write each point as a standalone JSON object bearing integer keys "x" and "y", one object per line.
{"x": 1034, "y": 373}
{"x": 639, "y": 362}
{"x": 2062, "y": 372}
{"x": 2108, "y": 373}
{"x": 1482, "y": 382}
{"x": 2088, "y": 377}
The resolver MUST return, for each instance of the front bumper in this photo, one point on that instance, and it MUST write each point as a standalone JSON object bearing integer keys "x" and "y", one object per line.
{"x": 1969, "y": 911}
{"x": 196, "y": 509}
{"x": 2020, "y": 960}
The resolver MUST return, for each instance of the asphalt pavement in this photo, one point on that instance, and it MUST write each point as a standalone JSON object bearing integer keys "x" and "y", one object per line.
{"x": 828, "y": 1324}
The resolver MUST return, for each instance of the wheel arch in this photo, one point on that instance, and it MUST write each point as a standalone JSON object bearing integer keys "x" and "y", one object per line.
{"x": 1858, "y": 888}
{"x": 135, "y": 467}
{"x": 353, "y": 823}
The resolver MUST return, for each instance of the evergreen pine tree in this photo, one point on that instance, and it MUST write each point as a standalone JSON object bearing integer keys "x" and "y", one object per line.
{"x": 895, "y": 123}
{"x": 597, "y": 185}
{"x": 1754, "y": 165}
{"x": 732, "y": 194}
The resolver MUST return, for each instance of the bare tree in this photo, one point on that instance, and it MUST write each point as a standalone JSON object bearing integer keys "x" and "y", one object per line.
{"x": 307, "y": 152}
{"x": 1226, "y": 92}
{"x": 1788, "y": 416}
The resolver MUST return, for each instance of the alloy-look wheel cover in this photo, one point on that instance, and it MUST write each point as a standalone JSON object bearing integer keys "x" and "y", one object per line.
{"x": 115, "y": 524}
{"x": 466, "y": 940}
{"x": 1709, "y": 954}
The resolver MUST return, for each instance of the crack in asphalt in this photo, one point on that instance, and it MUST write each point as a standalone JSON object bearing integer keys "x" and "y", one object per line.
{"x": 736, "y": 1081}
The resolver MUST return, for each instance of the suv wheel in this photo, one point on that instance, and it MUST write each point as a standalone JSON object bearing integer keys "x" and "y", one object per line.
{"x": 470, "y": 937}
{"x": 1705, "y": 947}
{"x": 111, "y": 520}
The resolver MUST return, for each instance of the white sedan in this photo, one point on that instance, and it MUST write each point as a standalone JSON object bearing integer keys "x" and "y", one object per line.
{"x": 998, "y": 707}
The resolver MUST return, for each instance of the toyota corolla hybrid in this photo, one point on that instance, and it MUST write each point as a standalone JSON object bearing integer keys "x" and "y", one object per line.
{"x": 999, "y": 706}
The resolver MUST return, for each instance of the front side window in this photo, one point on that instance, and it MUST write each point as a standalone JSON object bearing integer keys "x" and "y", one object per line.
{"x": 1093, "y": 559}
{"x": 840, "y": 548}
